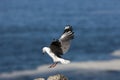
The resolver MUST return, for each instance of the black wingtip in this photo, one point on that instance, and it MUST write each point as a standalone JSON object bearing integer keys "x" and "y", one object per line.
{"x": 68, "y": 28}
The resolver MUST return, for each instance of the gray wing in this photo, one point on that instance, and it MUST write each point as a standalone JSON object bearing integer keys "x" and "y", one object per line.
{"x": 66, "y": 38}
{"x": 58, "y": 47}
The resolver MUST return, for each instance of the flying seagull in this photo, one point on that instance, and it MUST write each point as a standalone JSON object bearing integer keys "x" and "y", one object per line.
{"x": 60, "y": 46}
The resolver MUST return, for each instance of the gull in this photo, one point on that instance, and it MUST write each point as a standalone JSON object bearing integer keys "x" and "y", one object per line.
{"x": 60, "y": 46}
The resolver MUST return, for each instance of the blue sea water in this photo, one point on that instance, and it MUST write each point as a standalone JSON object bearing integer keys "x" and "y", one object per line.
{"x": 28, "y": 25}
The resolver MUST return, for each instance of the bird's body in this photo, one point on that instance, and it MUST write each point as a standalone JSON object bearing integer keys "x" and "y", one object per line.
{"x": 60, "y": 46}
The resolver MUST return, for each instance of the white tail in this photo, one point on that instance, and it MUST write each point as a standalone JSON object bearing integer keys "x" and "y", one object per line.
{"x": 63, "y": 61}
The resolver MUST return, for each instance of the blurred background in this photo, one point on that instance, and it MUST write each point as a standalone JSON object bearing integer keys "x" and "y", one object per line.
{"x": 28, "y": 25}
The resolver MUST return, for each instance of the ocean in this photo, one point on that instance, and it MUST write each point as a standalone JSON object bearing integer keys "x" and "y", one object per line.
{"x": 26, "y": 26}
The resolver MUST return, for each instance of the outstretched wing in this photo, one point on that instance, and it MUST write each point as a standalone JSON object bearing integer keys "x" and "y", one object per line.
{"x": 55, "y": 47}
{"x": 66, "y": 38}
{"x": 58, "y": 47}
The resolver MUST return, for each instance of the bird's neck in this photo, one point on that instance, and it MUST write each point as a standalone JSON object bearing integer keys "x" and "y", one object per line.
{"x": 50, "y": 53}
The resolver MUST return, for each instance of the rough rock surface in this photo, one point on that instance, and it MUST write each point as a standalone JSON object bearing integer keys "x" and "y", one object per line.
{"x": 54, "y": 77}
{"x": 57, "y": 77}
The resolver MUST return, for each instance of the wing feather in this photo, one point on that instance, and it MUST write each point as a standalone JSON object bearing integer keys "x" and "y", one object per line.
{"x": 58, "y": 47}
{"x": 66, "y": 38}
{"x": 55, "y": 47}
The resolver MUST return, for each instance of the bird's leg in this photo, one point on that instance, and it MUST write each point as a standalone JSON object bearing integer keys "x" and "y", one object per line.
{"x": 53, "y": 65}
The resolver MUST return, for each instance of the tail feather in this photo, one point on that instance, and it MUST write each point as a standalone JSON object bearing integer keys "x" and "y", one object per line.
{"x": 63, "y": 61}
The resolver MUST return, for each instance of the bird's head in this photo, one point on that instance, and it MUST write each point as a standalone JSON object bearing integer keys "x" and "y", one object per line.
{"x": 45, "y": 50}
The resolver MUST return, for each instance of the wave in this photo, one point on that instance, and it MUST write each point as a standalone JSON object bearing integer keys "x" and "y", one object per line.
{"x": 42, "y": 70}
{"x": 116, "y": 53}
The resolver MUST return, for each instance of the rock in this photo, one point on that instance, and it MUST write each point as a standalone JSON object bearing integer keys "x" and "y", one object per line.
{"x": 57, "y": 77}
{"x": 39, "y": 79}
{"x": 54, "y": 77}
